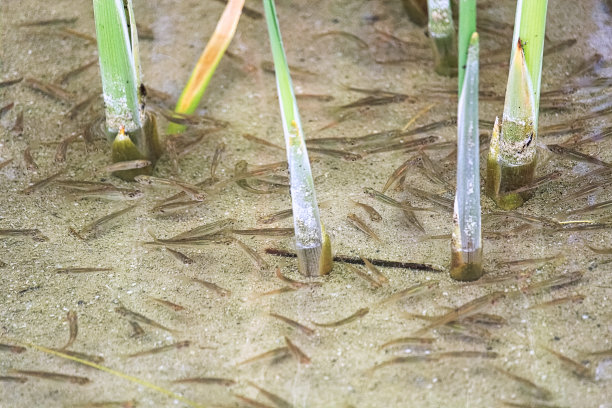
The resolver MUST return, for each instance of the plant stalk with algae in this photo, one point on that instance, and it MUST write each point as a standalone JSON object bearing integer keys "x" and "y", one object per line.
{"x": 313, "y": 246}
{"x": 466, "y": 242}
{"x": 121, "y": 83}
{"x": 512, "y": 155}
{"x": 442, "y": 33}
{"x": 208, "y": 62}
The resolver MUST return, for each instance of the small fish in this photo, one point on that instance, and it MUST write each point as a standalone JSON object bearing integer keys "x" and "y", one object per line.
{"x": 62, "y": 148}
{"x": 555, "y": 282}
{"x": 375, "y": 271}
{"x": 78, "y": 34}
{"x": 181, "y": 257}
{"x": 91, "y": 229}
{"x": 5, "y": 163}
{"x": 212, "y": 286}
{"x": 173, "y": 306}
{"x": 530, "y": 404}
{"x": 8, "y": 82}
{"x": 372, "y": 213}
{"x": 578, "y": 369}
{"x": 602, "y": 251}
{"x": 137, "y": 329}
{"x": 343, "y": 154}
{"x": 298, "y": 354}
{"x": 10, "y": 378}
{"x": 268, "y": 66}
{"x": 411, "y": 291}
{"x": 226, "y": 382}
{"x": 408, "y": 340}
{"x": 361, "y": 225}
{"x": 535, "y": 390}
{"x": 11, "y": 348}
{"x": 42, "y": 183}
{"x": 127, "y": 165}
{"x": 522, "y": 263}
{"x": 52, "y": 90}
{"x": 318, "y": 97}
{"x": 373, "y": 100}
{"x": 432, "y": 170}
{"x": 274, "y": 354}
{"x": 178, "y": 345}
{"x": 591, "y": 208}
{"x": 107, "y": 404}
{"x": 18, "y": 126}
{"x": 73, "y": 72}
{"x": 79, "y": 107}
{"x": 602, "y": 353}
{"x": 167, "y": 208}
{"x": 82, "y": 356}
{"x": 123, "y": 311}
{"x": 48, "y": 22}
{"x": 29, "y": 160}
{"x": 410, "y": 145}
{"x": 271, "y": 218}
{"x": 361, "y": 43}
{"x": 6, "y": 108}
{"x": 390, "y": 201}
{"x": 374, "y": 283}
{"x": 210, "y": 228}
{"x": 293, "y": 283}
{"x": 357, "y": 315}
{"x": 267, "y": 232}
{"x": 219, "y": 150}
{"x": 259, "y": 262}
{"x": 575, "y": 155}
{"x": 192, "y": 191}
{"x": 82, "y": 270}
{"x": 278, "y": 401}
{"x": 253, "y": 138}
{"x": 75, "y": 379}
{"x": 71, "y": 316}
{"x": 33, "y": 233}
{"x": 251, "y": 402}
{"x": 464, "y": 310}
{"x": 538, "y": 182}
{"x": 306, "y": 330}
{"x": 558, "y": 301}
{"x": 203, "y": 240}
{"x": 278, "y": 291}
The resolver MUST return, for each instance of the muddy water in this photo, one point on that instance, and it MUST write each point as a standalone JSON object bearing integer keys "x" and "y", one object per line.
{"x": 226, "y": 330}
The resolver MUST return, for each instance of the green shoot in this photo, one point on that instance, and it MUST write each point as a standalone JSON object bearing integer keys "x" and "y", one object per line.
{"x": 208, "y": 62}
{"x": 312, "y": 243}
{"x": 442, "y": 33}
{"x": 531, "y": 20}
{"x": 467, "y": 26}
{"x": 133, "y": 132}
{"x": 466, "y": 243}
{"x": 512, "y": 156}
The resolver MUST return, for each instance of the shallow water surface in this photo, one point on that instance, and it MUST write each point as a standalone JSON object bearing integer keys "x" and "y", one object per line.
{"x": 229, "y": 326}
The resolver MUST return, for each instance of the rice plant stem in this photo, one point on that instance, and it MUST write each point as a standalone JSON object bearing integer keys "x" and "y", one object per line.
{"x": 119, "y": 68}
{"x": 467, "y": 26}
{"x": 530, "y": 28}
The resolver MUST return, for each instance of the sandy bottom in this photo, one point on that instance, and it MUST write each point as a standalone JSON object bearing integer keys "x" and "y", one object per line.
{"x": 224, "y": 331}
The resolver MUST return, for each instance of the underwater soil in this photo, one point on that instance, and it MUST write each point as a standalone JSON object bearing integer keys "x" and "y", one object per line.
{"x": 214, "y": 331}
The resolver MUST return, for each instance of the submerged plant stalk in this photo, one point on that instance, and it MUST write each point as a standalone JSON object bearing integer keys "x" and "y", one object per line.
{"x": 132, "y": 131}
{"x": 312, "y": 243}
{"x": 119, "y": 68}
{"x": 207, "y": 64}
{"x": 442, "y": 33}
{"x": 466, "y": 242}
{"x": 512, "y": 155}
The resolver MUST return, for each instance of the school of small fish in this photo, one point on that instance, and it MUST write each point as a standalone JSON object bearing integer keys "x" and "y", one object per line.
{"x": 275, "y": 330}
